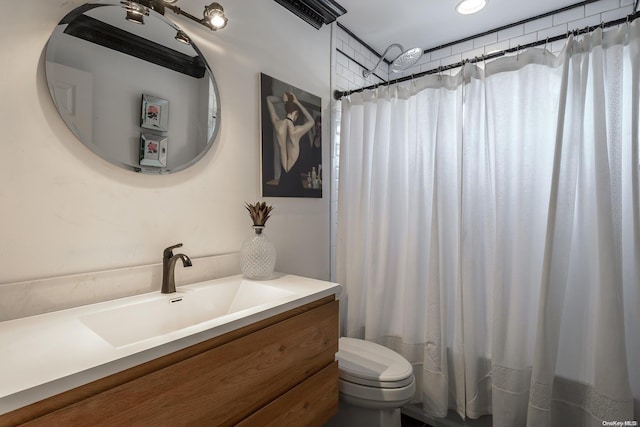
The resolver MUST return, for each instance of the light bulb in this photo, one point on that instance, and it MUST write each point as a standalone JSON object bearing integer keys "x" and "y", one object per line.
{"x": 218, "y": 21}
{"x": 214, "y": 13}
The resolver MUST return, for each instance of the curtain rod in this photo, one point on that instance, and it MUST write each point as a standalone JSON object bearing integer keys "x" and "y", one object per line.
{"x": 629, "y": 18}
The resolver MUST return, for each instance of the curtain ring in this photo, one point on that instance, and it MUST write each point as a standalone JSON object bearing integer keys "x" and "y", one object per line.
{"x": 440, "y": 72}
{"x": 546, "y": 42}
{"x": 518, "y": 53}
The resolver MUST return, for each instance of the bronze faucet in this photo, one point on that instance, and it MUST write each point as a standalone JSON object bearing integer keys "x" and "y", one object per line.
{"x": 168, "y": 268}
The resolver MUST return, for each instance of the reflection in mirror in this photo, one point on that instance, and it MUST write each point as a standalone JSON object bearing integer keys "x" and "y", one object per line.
{"x": 140, "y": 96}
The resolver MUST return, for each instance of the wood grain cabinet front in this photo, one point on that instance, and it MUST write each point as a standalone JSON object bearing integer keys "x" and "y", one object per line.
{"x": 280, "y": 371}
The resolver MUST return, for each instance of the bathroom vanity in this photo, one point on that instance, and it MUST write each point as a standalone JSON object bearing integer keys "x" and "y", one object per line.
{"x": 268, "y": 358}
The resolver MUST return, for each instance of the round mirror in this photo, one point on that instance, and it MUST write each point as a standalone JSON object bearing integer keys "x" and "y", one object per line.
{"x": 132, "y": 87}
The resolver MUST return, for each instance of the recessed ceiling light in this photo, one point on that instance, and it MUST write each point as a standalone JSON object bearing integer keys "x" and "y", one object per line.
{"x": 467, "y": 7}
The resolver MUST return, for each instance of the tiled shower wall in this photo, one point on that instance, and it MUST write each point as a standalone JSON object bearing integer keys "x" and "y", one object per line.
{"x": 348, "y": 52}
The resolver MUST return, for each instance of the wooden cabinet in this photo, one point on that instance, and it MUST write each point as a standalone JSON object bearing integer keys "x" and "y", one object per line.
{"x": 280, "y": 371}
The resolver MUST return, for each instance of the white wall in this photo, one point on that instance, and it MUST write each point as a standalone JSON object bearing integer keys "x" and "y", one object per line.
{"x": 64, "y": 210}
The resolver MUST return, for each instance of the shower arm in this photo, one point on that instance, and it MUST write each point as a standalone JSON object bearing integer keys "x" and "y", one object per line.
{"x": 367, "y": 73}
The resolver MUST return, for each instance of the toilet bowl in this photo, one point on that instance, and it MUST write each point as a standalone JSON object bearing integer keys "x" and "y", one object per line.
{"x": 375, "y": 382}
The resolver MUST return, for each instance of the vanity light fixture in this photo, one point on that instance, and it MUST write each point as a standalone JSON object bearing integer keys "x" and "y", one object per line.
{"x": 213, "y": 16}
{"x": 467, "y": 7}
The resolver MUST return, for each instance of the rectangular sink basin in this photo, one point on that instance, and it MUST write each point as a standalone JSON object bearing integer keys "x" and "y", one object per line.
{"x": 160, "y": 314}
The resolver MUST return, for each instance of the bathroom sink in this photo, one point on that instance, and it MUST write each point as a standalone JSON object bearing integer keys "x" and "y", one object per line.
{"x": 160, "y": 314}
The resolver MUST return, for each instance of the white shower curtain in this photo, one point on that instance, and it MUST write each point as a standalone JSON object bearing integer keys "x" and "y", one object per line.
{"x": 489, "y": 231}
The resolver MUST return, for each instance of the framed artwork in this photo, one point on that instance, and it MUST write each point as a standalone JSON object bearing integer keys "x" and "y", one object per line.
{"x": 153, "y": 150}
{"x": 291, "y": 144}
{"x": 155, "y": 113}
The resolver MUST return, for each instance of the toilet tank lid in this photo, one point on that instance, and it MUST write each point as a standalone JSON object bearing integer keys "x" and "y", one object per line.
{"x": 371, "y": 361}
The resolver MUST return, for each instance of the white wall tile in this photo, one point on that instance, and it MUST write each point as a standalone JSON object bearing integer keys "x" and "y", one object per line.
{"x": 523, "y": 40}
{"x": 342, "y": 60}
{"x": 441, "y": 53}
{"x": 495, "y": 47}
{"x": 485, "y": 40}
{"x": 617, "y": 13}
{"x": 462, "y": 47}
{"x": 424, "y": 59}
{"x": 552, "y": 32}
{"x": 589, "y": 21}
{"x": 429, "y": 66}
{"x": 509, "y": 33}
{"x": 453, "y": 59}
{"x": 349, "y": 51}
{"x": 538, "y": 24}
{"x": 601, "y": 6}
{"x": 478, "y": 52}
{"x": 569, "y": 15}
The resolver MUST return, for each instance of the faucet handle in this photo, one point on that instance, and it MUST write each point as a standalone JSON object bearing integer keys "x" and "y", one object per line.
{"x": 168, "y": 252}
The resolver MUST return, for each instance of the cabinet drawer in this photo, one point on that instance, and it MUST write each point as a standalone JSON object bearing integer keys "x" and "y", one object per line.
{"x": 309, "y": 404}
{"x": 220, "y": 386}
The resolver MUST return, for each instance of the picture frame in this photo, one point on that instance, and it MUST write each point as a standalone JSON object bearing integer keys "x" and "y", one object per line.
{"x": 153, "y": 150}
{"x": 155, "y": 113}
{"x": 291, "y": 142}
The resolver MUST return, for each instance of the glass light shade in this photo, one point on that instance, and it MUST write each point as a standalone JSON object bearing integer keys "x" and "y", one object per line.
{"x": 467, "y": 7}
{"x": 214, "y": 13}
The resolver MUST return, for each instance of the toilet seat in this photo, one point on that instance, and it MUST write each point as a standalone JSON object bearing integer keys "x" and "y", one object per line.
{"x": 373, "y": 375}
{"x": 368, "y": 363}
{"x": 374, "y": 383}
{"x": 376, "y": 397}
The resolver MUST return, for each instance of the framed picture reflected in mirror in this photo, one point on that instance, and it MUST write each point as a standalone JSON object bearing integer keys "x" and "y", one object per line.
{"x": 155, "y": 113}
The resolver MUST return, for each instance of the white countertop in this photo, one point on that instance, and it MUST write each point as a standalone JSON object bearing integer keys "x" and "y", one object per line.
{"x": 50, "y": 353}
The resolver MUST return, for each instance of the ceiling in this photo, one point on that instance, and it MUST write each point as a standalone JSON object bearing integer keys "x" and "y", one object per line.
{"x": 431, "y": 23}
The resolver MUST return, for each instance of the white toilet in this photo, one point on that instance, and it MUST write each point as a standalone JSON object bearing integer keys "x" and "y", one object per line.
{"x": 375, "y": 382}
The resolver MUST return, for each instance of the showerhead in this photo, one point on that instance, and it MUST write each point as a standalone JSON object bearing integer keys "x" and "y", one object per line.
{"x": 406, "y": 59}
{"x": 403, "y": 61}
